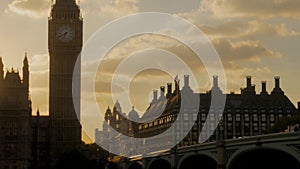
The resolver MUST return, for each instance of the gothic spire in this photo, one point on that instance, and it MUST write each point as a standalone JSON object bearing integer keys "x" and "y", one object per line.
{"x": 25, "y": 71}
{"x": 1, "y": 69}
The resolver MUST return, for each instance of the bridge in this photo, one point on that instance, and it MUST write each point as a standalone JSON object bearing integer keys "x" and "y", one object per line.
{"x": 272, "y": 151}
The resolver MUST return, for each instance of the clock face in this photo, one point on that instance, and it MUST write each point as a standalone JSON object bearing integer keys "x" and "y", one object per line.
{"x": 65, "y": 33}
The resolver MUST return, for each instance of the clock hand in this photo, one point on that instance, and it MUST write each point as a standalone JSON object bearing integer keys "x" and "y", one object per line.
{"x": 63, "y": 35}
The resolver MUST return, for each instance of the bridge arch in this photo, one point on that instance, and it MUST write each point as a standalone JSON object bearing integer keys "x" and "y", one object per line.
{"x": 198, "y": 160}
{"x": 275, "y": 157}
{"x": 136, "y": 165}
{"x": 159, "y": 163}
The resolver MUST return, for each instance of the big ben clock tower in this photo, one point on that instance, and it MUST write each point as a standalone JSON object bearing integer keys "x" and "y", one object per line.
{"x": 65, "y": 43}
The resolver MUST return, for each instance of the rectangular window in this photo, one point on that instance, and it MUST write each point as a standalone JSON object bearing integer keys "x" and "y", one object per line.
{"x": 255, "y": 117}
{"x": 203, "y": 117}
{"x": 212, "y": 125}
{"x": 212, "y": 117}
{"x": 186, "y": 117}
{"x": 272, "y": 119}
{"x": 229, "y": 117}
{"x": 238, "y": 117}
{"x": 263, "y": 117}
{"x": 246, "y": 116}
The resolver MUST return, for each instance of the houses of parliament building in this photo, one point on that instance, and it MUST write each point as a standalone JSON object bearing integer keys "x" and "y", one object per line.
{"x": 28, "y": 141}
{"x": 249, "y": 113}
{"x": 37, "y": 142}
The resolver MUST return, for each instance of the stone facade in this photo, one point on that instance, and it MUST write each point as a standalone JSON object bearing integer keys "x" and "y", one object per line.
{"x": 248, "y": 113}
{"x": 15, "y": 118}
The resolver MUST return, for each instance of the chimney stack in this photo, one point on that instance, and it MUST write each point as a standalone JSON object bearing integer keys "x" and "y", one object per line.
{"x": 154, "y": 95}
{"x": 248, "y": 81}
{"x": 263, "y": 87}
{"x": 277, "y": 82}
{"x": 169, "y": 94}
{"x": 162, "y": 91}
{"x": 176, "y": 90}
{"x": 186, "y": 80}
{"x": 215, "y": 81}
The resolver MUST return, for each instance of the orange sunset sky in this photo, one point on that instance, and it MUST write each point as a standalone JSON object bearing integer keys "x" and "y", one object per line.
{"x": 252, "y": 37}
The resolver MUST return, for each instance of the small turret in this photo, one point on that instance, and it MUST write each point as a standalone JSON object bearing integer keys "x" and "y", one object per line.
{"x": 118, "y": 107}
{"x": 108, "y": 113}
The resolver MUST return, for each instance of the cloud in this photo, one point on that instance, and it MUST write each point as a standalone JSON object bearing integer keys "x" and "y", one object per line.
{"x": 241, "y": 29}
{"x": 32, "y": 8}
{"x": 168, "y": 6}
{"x": 251, "y": 51}
{"x": 256, "y": 8}
{"x": 110, "y": 9}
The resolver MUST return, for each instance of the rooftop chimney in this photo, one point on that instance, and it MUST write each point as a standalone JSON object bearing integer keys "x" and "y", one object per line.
{"x": 215, "y": 81}
{"x": 249, "y": 89}
{"x": 186, "y": 80}
{"x": 277, "y": 89}
{"x": 169, "y": 90}
{"x": 263, "y": 87}
{"x": 162, "y": 92}
{"x": 248, "y": 81}
{"x": 154, "y": 95}
{"x": 277, "y": 82}
{"x": 176, "y": 90}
